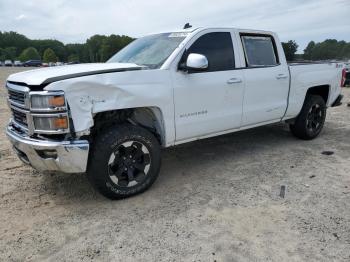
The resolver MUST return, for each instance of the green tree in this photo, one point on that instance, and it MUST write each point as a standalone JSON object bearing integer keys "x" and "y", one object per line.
{"x": 13, "y": 39}
{"x": 29, "y": 53}
{"x": 309, "y": 50}
{"x": 94, "y": 44}
{"x": 49, "y": 56}
{"x": 73, "y": 58}
{"x": 345, "y": 52}
{"x": 8, "y": 53}
{"x": 56, "y": 46}
{"x": 79, "y": 50}
{"x": 98, "y": 48}
{"x": 290, "y": 48}
{"x": 327, "y": 50}
{"x": 113, "y": 44}
{"x": 104, "y": 51}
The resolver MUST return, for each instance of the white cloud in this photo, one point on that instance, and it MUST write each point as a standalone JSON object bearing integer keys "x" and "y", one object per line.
{"x": 74, "y": 21}
{"x": 20, "y": 17}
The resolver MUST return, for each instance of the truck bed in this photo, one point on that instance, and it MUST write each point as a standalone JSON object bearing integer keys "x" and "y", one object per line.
{"x": 310, "y": 63}
{"x": 304, "y": 75}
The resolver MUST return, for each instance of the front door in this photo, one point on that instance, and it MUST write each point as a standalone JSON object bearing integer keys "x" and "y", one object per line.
{"x": 211, "y": 101}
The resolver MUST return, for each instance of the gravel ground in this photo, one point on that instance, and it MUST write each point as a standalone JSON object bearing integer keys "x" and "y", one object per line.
{"x": 215, "y": 200}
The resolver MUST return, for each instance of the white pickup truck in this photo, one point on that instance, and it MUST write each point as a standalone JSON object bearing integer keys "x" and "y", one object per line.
{"x": 111, "y": 119}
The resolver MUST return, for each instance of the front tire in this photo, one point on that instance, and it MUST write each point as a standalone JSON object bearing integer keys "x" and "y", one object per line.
{"x": 124, "y": 161}
{"x": 309, "y": 123}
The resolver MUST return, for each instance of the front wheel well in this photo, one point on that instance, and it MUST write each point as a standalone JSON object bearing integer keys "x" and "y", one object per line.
{"x": 150, "y": 118}
{"x": 322, "y": 91}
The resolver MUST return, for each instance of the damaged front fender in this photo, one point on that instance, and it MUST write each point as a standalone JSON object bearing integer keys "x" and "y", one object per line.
{"x": 92, "y": 94}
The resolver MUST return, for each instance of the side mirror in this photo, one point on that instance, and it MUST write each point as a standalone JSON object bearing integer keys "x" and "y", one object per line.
{"x": 197, "y": 62}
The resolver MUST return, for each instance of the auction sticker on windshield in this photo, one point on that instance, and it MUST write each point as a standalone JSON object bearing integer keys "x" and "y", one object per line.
{"x": 178, "y": 34}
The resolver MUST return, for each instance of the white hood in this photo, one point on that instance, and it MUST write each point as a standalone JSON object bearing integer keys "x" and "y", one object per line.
{"x": 51, "y": 74}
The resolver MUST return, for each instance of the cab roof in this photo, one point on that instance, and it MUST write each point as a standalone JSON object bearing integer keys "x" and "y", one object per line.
{"x": 193, "y": 29}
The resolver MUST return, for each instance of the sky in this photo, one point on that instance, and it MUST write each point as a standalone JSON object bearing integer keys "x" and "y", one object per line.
{"x": 73, "y": 21}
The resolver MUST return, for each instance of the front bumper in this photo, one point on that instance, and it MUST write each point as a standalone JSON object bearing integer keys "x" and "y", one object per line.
{"x": 45, "y": 155}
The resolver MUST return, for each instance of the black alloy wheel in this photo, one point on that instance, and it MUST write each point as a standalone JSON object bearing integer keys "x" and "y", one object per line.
{"x": 124, "y": 161}
{"x": 311, "y": 119}
{"x": 314, "y": 119}
{"x": 129, "y": 164}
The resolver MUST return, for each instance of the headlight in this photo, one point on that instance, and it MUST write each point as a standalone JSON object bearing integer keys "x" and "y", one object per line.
{"x": 48, "y": 113}
{"x": 49, "y": 101}
{"x": 57, "y": 123}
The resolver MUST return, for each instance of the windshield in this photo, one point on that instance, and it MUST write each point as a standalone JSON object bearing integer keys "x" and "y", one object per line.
{"x": 150, "y": 51}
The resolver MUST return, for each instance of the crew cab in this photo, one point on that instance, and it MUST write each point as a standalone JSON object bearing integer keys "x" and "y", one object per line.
{"x": 110, "y": 120}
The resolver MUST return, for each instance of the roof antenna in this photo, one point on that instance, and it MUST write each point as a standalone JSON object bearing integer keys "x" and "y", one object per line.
{"x": 187, "y": 25}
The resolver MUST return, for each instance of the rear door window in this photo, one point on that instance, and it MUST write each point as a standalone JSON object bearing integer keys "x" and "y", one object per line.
{"x": 259, "y": 51}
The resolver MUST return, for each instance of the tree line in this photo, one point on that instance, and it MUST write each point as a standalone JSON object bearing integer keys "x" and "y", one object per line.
{"x": 329, "y": 49}
{"x": 99, "y": 48}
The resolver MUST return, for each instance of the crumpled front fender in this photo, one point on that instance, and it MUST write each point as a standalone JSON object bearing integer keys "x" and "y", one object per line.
{"x": 89, "y": 95}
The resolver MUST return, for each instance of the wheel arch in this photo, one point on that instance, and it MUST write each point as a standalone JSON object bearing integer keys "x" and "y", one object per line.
{"x": 321, "y": 90}
{"x": 150, "y": 118}
{"x": 298, "y": 97}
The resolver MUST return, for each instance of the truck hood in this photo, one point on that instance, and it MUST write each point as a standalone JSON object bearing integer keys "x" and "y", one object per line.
{"x": 48, "y": 75}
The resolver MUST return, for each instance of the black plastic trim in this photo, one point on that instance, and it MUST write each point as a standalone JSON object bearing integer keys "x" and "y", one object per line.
{"x": 338, "y": 102}
{"x": 97, "y": 72}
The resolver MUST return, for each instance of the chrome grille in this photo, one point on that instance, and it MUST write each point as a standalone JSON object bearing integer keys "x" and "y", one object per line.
{"x": 19, "y": 117}
{"x": 23, "y": 115}
{"x": 17, "y": 97}
{"x": 18, "y": 102}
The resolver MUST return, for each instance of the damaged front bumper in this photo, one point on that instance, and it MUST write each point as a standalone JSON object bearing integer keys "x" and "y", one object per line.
{"x": 45, "y": 155}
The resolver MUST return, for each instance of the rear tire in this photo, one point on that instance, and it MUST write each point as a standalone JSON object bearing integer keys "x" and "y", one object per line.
{"x": 309, "y": 123}
{"x": 124, "y": 161}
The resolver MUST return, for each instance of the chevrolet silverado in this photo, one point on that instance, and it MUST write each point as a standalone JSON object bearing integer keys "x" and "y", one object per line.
{"x": 110, "y": 120}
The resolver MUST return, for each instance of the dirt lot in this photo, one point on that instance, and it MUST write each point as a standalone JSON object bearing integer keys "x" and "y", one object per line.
{"x": 216, "y": 199}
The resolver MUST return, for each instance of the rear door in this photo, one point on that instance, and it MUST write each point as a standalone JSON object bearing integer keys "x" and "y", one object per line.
{"x": 211, "y": 101}
{"x": 266, "y": 77}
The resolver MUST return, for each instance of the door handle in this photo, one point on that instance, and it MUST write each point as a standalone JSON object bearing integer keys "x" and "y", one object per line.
{"x": 281, "y": 76}
{"x": 234, "y": 81}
